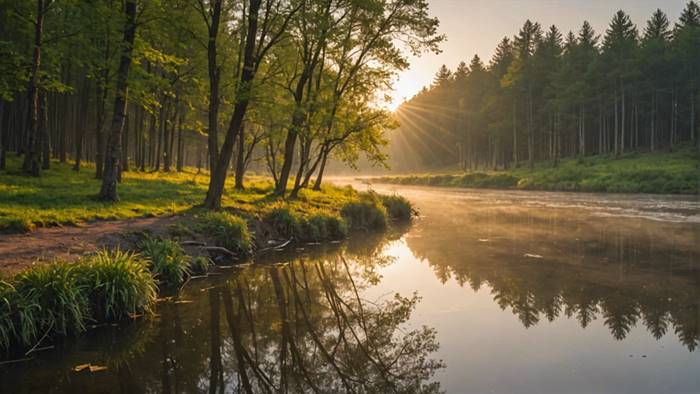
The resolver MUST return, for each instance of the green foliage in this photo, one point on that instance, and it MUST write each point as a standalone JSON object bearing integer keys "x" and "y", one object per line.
{"x": 63, "y": 307}
{"x": 319, "y": 226}
{"x": 398, "y": 207}
{"x": 117, "y": 284}
{"x": 167, "y": 260}
{"x": 228, "y": 231}
{"x": 368, "y": 213}
{"x": 200, "y": 265}
{"x": 663, "y": 173}
{"x": 61, "y": 298}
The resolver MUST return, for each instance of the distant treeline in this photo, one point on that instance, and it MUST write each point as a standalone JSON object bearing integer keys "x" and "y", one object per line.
{"x": 545, "y": 95}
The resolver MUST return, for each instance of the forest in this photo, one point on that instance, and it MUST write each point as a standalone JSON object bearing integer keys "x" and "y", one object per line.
{"x": 282, "y": 86}
{"x": 547, "y": 95}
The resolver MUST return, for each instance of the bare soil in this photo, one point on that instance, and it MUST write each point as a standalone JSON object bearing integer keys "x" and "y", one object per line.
{"x": 45, "y": 245}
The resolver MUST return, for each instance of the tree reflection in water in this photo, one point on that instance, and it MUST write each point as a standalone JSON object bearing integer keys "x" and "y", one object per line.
{"x": 623, "y": 271}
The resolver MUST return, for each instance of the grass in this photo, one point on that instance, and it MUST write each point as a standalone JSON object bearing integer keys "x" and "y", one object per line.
{"x": 665, "y": 173}
{"x": 61, "y": 298}
{"x": 63, "y": 197}
{"x": 316, "y": 227}
{"x": 166, "y": 259}
{"x": 368, "y": 213}
{"x": 228, "y": 231}
{"x": 118, "y": 284}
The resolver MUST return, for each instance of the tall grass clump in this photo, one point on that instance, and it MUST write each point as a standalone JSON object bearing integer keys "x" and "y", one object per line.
{"x": 319, "y": 226}
{"x": 228, "y": 231}
{"x": 54, "y": 288}
{"x": 283, "y": 221}
{"x": 368, "y": 213}
{"x": 397, "y": 207}
{"x": 168, "y": 261}
{"x": 117, "y": 284}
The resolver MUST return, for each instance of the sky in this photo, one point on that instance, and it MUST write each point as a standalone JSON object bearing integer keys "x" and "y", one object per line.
{"x": 476, "y": 27}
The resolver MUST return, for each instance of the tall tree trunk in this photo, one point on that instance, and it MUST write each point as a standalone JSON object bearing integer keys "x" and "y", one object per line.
{"x": 217, "y": 178}
{"x": 652, "y": 135}
{"x": 108, "y": 191}
{"x": 622, "y": 123}
{"x": 180, "y": 143}
{"x": 214, "y": 71}
{"x": 125, "y": 145}
{"x": 240, "y": 160}
{"x": 3, "y": 139}
{"x": 99, "y": 128}
{"x": 617, "y": 130}
{"x": 515, "y": 137}
{"x": 43, "y": 131}
{"x": 31, "y": 159}
{"x": 319, "y": 178}
{"x": 152, "y": 141}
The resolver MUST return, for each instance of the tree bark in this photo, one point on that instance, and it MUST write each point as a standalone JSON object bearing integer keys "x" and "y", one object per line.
{"x": 31, "y": 159}
{"x": 214, "y": 71}
{"x": 240, "y": 160}
{"x": 108, "y": 191}
{"x": 43, "y": 131}
{"x": 217, "y": 179}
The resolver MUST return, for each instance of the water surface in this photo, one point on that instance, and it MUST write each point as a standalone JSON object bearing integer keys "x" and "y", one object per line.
{"x": 488, "y": 291}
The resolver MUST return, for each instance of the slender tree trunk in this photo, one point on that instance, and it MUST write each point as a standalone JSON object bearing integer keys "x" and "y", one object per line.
{"x": 240, "y": 160}
{"x": 108, "y": 191}
{"x": 617, "y": 130}
{"x": 180, "y": 143}
{"x": 217, "y": 178}
{"x": 652, "y": 136}
{"x": 43, "y": 131}
{"x": 515, "y": 137}
{"x": 31, "y": 159}
{"x": 214, "y": 71}
{"x": 319, "y": 178}
{"x": 125, "y": 146}
{"x": 622, "y": 123}
{"x": 3, "y": 139}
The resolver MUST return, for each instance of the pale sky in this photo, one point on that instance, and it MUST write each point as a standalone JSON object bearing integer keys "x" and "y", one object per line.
{"x": 476, "y": 27}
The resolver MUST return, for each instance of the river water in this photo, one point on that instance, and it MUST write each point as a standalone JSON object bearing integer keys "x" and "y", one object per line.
{"x": 486, "y": 292}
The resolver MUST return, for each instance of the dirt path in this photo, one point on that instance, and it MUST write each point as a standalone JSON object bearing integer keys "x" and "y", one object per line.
{"x": 18, "y": 251}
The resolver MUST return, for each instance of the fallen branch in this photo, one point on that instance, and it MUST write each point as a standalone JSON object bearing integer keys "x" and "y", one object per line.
{"x": 40, "y": 340}
{"x": 193, "y": 243}
{"x": 220, "y": 249}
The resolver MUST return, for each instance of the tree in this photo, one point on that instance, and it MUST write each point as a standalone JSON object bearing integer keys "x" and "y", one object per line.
{"x": 112, "y": 165}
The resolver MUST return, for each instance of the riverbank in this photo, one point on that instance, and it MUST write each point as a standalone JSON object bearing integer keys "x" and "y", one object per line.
{"x": 662, "y": 173}
{"x": 55, "y": 281}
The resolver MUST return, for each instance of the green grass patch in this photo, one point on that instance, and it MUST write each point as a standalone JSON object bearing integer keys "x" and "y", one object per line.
{"x": 662, "y": 173}
{"x": 368, "y": 213}
{"x": 228, "y": 231}
{"x": 316, "y": 227}
{"x": 167, "y": 260}
{"x": 118, "y": 284}
{"x": 398, "y": 208}
{"x": 61, "y": 298}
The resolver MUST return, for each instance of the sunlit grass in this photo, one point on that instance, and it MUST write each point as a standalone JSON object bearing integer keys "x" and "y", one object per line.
{"x": 672, "y": 173}
{"x": 62, "y": 196}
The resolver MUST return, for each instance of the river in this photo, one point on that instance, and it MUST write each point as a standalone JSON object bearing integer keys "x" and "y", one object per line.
{"x": 486, "y": 292}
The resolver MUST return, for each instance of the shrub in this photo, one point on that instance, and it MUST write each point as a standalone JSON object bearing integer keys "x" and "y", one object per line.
{"x": 53, "y": 287}
{"x": 366, "y": 214}
{"x": 397, "y": 207}
{"x": 200, "y": 265}
{"x": 117, "y": 284}
{"x": 323, "y": 227}
{"x": 168, "y": 261}
{"x": 317, "y": 227}
{"x": 283, "y": 221}
{"x": 228, "y": 231}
